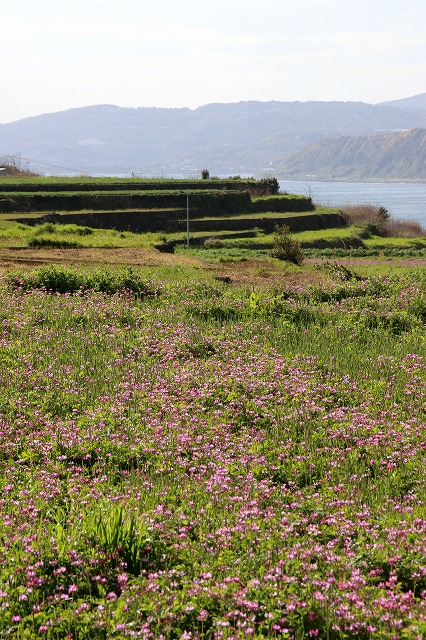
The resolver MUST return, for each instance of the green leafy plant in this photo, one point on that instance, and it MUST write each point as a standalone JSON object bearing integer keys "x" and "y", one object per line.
{"x": 285, "y": 247}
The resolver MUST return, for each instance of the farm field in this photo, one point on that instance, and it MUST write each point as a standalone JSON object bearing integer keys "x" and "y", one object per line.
{"x": 185, "y": 455}
{"x": 47, "y": 242}
{"x": 205, "y": 441}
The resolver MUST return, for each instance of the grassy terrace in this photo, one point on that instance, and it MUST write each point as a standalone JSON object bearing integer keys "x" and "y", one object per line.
{"x": 37, "y": 215}
{"x": 223, "y": 243}
{"x": 91, "y": 183}
{"x": 22, "y": 235}
{"x": 274, "y": 214}
{"x": 73, "y": 194}
{"x": 106, "y": 193}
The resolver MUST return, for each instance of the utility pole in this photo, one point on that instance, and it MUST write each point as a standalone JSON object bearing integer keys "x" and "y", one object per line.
{"x": 187, "y": 220}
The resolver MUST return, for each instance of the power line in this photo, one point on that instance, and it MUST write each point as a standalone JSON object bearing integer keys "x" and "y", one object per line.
{"x": 45, "y": 164}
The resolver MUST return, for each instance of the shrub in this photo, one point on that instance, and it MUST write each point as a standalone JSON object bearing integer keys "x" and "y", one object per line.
{"x": 374, "y": 219}
{"x": 383, "y": 214}
{"x": 13, "y": 165}
{"x": 284, "y": 247}
{"x": 205, "y": 174}
{"x": 271, "y": 185}
{"x": 62, "y": 280}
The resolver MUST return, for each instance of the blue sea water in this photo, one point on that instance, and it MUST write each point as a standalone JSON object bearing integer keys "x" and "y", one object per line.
{"x": 403, "y": 200}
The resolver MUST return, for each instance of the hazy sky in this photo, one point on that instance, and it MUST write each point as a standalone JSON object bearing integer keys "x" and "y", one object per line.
{"x": 58, "y": 54}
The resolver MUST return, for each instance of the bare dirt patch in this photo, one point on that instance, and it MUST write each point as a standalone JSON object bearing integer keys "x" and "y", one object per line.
{"x": 265, "y": 272}
{"x": 11, "y": 258}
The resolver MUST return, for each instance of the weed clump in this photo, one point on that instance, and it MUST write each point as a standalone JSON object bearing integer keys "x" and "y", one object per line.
{"x": 285, "y": 247}
{"x": 338, "y": 271}
{"x": 37, "y": 243}
{"x": 213, "y": 243}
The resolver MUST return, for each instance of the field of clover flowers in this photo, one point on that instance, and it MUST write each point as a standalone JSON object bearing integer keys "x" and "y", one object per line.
{"x": 193, "y": 459}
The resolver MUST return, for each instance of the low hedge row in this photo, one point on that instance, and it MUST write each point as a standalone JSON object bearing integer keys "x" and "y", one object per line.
{"x": 218, "y": 202}
{"x": 202, "y": 202}
{"x": 265, "y": 186}
{"x": 283, "y": 203}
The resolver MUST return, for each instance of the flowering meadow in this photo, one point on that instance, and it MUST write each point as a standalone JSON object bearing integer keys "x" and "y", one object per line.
{"x": 183, "y": 457}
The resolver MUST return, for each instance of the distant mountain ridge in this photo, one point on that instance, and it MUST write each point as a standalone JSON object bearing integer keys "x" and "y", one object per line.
{"x": 246, "y": 138}
{"x": 396, "y": 155}
{"x": 413, "y": 102}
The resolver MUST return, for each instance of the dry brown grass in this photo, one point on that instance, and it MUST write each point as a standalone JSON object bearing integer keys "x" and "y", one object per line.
{"x": 405, "y": 229}
{"x": 377, "y": 220}
{"x": 361, "y": 214}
